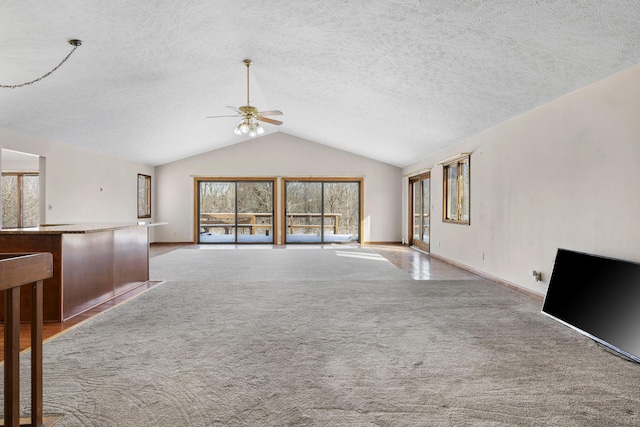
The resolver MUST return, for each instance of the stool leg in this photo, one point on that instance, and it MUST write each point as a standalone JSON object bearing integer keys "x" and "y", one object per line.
{"x": 12, "y": 357}
{"x": 36, "y": 354}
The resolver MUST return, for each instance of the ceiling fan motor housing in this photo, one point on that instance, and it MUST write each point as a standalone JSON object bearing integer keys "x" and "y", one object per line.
{"x": 248, "y": 109}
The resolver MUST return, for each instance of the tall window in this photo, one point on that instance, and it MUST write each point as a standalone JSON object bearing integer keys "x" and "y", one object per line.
{"x": 144, "y": 196}
{"x": 20, "y": 200}
{"x": 235, "y": 210}
{"x": 456, "y": 190}
{"x": 322, "y": 211}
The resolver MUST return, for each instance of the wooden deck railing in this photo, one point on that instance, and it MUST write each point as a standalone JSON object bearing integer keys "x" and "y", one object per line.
{"x": 333, "y": 218}
{"x": 227, "y": 221}
{"x": 17, "y": 270}
{"x": 255, "y": 221}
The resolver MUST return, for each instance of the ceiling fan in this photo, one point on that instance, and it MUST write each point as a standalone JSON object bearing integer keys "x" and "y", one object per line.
{"x": 250, "y": 116}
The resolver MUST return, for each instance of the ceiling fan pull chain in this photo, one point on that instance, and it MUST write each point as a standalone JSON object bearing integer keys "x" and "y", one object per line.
{"x": 74, "y": 43}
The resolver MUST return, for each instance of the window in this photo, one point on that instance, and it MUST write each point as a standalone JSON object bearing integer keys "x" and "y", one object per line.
{"x": 456, "y": 190}
{"x": 144, "y": 196}
{"x": 20, "y": 200}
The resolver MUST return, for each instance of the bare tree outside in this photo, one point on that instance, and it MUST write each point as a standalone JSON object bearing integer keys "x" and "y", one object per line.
{"x": 10, "y": 205}
{"x": 236, "y": 211}
{"x": 217, "y": 197}
{"x": 343, "y": 200}
{"x": 144, "y": 196}
{"x": 20, "y": 200}
{"x": 242, "y": 211}
{"x": 303, "y": 208}
{"x": 323, "y": 211}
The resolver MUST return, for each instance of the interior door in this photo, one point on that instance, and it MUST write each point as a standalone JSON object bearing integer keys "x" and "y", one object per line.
{"x": 420, "y": 203}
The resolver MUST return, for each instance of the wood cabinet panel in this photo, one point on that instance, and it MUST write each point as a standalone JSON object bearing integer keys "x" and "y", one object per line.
{"x": 131, "y": 258}
{"x": 89, "y": 268}
{"x": 19, "y": 243}
{"x": 87, "y": 271}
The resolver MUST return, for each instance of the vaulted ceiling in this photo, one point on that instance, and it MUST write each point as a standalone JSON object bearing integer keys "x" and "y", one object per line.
{"x": 393, "y": 80}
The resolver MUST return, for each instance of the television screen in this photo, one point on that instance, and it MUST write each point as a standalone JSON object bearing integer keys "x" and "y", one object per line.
{"x": 599, "y": 297}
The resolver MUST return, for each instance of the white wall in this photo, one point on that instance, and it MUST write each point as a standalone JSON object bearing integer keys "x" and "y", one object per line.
{"x": 81, "y": 185}
{"x": 278, "y": 155}
{"x": 562, "y": 176}
{"x": 12, "y": 161}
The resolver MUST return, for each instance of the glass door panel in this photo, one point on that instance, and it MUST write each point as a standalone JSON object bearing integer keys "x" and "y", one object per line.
{"x": 303, "y": 212}
{"x": 416, "y": 210}
{"x": 420, "y": 212}
{"x": 255, "y": 212}
{"x": 425, "y": 211}
{"x": 341, "y": 212}
{"x": 217, "y": 212}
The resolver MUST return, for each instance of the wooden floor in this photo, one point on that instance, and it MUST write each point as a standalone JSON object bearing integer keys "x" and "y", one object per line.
{"x": 52, "y": 329}
{"x": 416, "y": 263}
{"x": 419, "y": 265}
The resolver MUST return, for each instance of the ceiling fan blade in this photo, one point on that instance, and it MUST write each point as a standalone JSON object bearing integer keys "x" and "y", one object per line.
{"x": 268, "y": 120}
{"x": 235, "y": 109}
{"x": 215, "y": 117}
{"x": 270, "y": 113}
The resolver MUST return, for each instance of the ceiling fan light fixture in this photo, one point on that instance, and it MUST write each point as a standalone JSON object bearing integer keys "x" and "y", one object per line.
{"x": 250, "y": 115}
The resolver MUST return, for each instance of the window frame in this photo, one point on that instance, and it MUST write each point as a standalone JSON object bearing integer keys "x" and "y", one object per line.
{"x": 147, "y": 196}
{"x": 234, "y": 180}
{"x": 323, "y": 180}
{"x": 20, "y": 193}
{"x": 458, "y": 162}
{"x": 419, "y": 181}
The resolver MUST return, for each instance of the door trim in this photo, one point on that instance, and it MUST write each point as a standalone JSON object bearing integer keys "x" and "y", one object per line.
{"x": 411, "y": 220}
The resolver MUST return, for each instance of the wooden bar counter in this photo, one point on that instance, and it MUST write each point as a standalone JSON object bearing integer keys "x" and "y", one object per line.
{"x": 92, "y": 263}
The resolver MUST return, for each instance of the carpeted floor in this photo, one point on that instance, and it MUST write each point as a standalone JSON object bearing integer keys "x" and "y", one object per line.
{"x": 329, "y": 337}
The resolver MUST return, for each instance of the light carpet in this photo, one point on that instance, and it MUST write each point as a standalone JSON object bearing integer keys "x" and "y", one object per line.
{"x": 328, "y": 337}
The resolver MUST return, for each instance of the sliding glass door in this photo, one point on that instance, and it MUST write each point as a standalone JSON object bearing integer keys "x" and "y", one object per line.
{"x": 419, "y": 196}
{"x": 322, "y": 211}
{"x": 235, "y": 211}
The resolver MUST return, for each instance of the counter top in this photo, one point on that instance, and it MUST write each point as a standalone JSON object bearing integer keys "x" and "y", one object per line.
{"x": 81, "y": 227}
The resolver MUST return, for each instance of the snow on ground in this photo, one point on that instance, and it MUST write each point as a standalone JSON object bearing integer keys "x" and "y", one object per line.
{"x": 261, "y": 238}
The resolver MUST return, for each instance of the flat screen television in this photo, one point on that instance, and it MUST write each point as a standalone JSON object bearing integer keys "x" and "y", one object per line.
{"x": 598, "y": 297}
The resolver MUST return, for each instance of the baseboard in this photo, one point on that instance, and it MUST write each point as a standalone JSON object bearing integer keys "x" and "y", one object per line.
{"x": 383, "y": 243}
{"x": 170, "y": 243}
{"x": 491, "y": 277}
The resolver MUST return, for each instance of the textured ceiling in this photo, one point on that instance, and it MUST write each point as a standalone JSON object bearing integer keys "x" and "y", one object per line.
{"x": 394, "y": 80}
